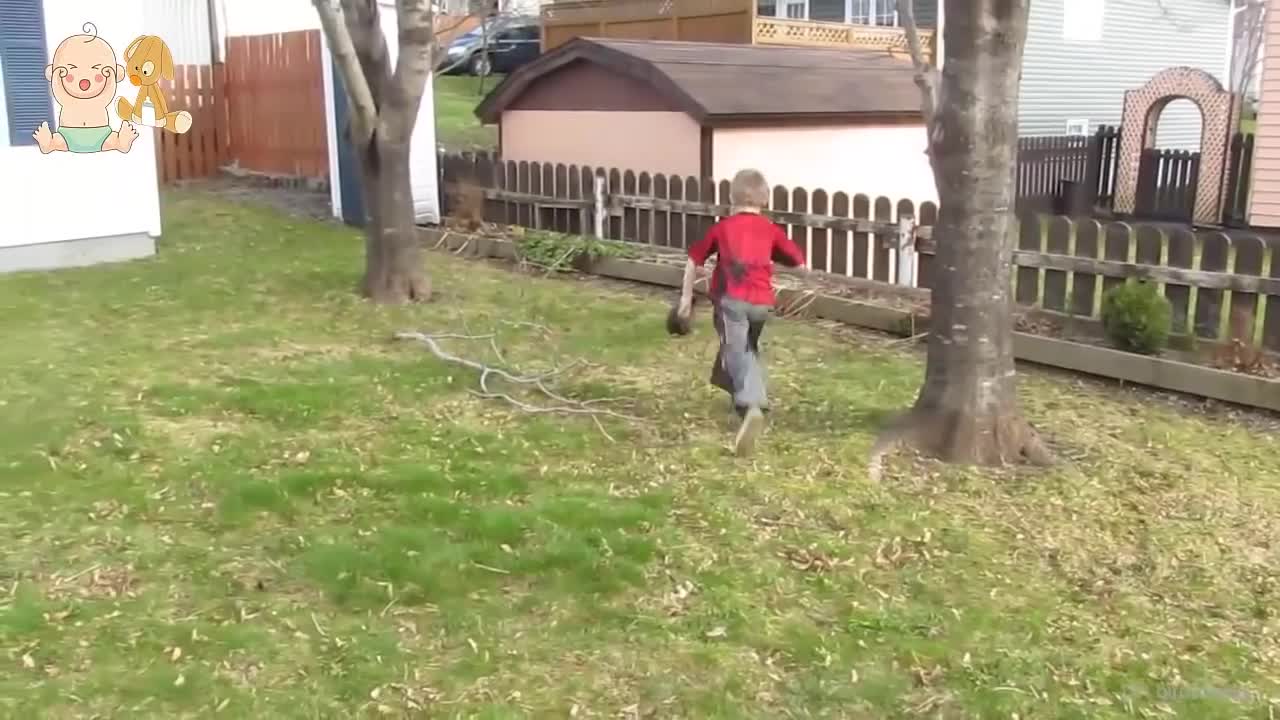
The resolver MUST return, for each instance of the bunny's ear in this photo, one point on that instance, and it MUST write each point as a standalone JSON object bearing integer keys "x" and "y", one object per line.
{"x": 166, "y": 61}
{"x": 133, "y": 47}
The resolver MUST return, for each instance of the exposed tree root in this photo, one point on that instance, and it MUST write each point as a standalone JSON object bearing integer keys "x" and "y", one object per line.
{"x": 959, "y": 438}
{"x": 568, "y": 406}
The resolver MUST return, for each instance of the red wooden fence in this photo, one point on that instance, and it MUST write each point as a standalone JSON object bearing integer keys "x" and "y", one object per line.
{"x": 275, "y": 103}
{"x": 202, "y": 150}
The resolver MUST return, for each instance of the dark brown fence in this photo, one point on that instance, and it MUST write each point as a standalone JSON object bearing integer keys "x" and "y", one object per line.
{"x": 1239, "y": 170}
{"x": 1222, "y": 287}
{"x": 275, "y": 101}
{"x": 202, "y": 150}
{"x": 1076, "y": 175}
{"x": 1045, "y": 164}
{"x": 1167, "y": 185}
{"x": 1067, "y": 174}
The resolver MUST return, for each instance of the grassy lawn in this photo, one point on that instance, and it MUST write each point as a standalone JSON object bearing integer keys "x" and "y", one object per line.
{"x": 456, "y": 99}
{"x": 227, "y": 494}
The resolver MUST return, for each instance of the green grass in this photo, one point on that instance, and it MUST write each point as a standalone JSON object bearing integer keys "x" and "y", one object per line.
{"x": 225, "y": 489}
{"x": 456, "y": 99}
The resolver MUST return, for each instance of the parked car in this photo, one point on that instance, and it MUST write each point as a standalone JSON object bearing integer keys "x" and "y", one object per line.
{"x": 511, "y": 43}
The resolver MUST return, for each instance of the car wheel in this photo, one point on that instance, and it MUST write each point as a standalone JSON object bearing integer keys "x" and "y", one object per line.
{"x": 480, "y": 65}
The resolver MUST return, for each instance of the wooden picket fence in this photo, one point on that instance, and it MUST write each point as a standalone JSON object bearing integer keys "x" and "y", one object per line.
{"x": 202, "y": 150}
{"x": 275, "y": 104}
{"x": 1222, "y": 287}
{"x": 853, "y": 236}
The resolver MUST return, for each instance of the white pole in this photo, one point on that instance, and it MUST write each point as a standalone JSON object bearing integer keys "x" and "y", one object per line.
{"x": 599, "y": 198}
{"x": 907, "y": 251}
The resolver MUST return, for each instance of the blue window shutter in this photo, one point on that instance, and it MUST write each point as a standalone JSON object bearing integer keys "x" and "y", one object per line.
{"x": 23, "y": 58}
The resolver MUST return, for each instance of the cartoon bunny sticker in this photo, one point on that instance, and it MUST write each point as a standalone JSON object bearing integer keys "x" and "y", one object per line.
{"x": 147, "y": 60}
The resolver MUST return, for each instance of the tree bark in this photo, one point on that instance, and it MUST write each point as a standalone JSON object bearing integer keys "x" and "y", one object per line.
{"x": 394, "y": 271}
{"x": 384, "y": 111}
{"x": 967, "y": 411}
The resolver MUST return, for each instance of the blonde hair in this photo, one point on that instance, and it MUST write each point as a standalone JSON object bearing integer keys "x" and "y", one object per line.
{"x": 749, "y": 190}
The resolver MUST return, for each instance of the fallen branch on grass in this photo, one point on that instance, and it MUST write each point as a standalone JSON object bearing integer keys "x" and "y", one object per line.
{"x": 567, "y": 406}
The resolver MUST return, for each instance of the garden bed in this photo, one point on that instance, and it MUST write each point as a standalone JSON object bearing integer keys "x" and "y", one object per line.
{"x": 904, "y": 312}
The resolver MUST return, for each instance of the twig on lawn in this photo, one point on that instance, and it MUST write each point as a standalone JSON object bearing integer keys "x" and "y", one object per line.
{"x": 443, "y": 238}
{"x": 909, "y": 340}
{"x": 521, "y": 323}
{"x": 462, "y": 247}
{"x": 556, "y": 265}
{"x": 796, "y": 307}
{"x": 75, "y": 576}
{"x": 567, "y": 406}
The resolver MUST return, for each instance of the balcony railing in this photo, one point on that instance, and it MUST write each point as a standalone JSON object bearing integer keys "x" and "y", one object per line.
{"x": 779, "y": 31}
{"x": 723, "y": 21}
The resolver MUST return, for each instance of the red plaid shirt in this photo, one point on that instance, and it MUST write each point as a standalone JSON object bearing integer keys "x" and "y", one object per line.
{"x": 746, "y": 245}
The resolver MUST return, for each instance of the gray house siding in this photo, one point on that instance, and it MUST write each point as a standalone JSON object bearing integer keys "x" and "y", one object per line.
{"x": 1066, "y": 80}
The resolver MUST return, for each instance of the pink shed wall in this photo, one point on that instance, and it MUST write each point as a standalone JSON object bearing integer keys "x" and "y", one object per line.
{"x": 623, "y": 140}
{"x": 874, "y": 160}
{"x": 1264, "y": 193}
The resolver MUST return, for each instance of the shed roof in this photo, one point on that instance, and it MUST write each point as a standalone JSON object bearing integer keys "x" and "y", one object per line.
{"x": 716, "y": 83}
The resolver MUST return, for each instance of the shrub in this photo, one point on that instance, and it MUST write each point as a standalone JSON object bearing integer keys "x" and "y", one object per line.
{"x": 558, "y": 253}
{"x": 1137, "y": 317}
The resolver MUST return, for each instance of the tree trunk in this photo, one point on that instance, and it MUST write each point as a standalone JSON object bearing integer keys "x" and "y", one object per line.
{"x": 394, "y": 271}
{"x": 967, "y": 411}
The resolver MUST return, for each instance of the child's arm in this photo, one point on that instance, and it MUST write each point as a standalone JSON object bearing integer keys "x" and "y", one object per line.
{"x": 686, "y": 288}
{"x": 698, "y": 255}
{"x": 786, "y": 251}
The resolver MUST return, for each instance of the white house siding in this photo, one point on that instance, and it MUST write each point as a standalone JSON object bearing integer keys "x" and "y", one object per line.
{"x": 184, "y": 25}
{"x": 1066, "y": 80}
{"x": 68, "y": 208}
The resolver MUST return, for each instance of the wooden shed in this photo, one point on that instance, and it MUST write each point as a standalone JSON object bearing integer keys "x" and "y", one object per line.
{"x": 839, "y": 120}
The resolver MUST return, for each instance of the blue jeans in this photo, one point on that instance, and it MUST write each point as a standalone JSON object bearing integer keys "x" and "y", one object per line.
{"x": 738, "y": 369}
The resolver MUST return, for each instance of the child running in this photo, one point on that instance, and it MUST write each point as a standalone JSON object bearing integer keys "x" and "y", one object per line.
{"x": 741, "y": 292}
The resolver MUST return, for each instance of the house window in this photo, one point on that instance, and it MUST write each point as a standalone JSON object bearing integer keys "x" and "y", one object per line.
{"x": 23, "y": 57}
{"x": 767, "y": 8}
{"x": 873, "y": 12}
{"x": 796, "y": 10}
{"x": 1077, "y": 127}
{"x": 827, "y": 10}
{"x": 1082, "y": 20}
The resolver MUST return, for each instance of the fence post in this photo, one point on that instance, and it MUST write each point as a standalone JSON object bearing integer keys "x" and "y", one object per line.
{"x": 598, "y": 196}
{"x": 906, "y": 251}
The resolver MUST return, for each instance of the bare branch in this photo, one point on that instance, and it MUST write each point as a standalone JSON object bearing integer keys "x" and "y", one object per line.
{"x": 926, "y": 78}
{"x": 364, "y": 112}
{"x": 416, "y": 55}
{"x": 566, "y": 405}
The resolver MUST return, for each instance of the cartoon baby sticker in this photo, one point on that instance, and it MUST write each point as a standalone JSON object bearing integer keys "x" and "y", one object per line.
{"x": 83, "y": 78}
{"x": 149, "y": 60}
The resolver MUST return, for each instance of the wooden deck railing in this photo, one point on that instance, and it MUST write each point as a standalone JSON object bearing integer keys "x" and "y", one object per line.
{"x": 808, "y": 33}
{"x": 722, "y": 21}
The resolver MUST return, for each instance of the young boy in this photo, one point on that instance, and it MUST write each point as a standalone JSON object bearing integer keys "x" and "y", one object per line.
{"x": 741, "y": 292}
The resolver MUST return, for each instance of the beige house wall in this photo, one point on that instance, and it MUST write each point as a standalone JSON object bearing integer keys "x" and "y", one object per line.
{"x": 1264, "y": 186}
{"x": 655, "y": 142}
{"x": 875, "y": 160}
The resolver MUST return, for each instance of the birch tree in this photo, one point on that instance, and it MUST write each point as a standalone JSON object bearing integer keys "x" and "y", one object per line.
{"x": 967, "y": 410}
{"x": 384, "y": 100}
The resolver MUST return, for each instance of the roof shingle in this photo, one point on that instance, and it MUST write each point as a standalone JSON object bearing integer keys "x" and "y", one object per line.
{"x": 714, "y": 81}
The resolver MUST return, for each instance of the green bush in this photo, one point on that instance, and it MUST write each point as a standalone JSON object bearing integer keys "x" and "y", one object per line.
{"x": 1137, "y": 317}
{"x": 558, "y": 253}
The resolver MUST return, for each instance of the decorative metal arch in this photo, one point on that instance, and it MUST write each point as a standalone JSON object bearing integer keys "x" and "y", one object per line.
{"x": 1142, "y": 109}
